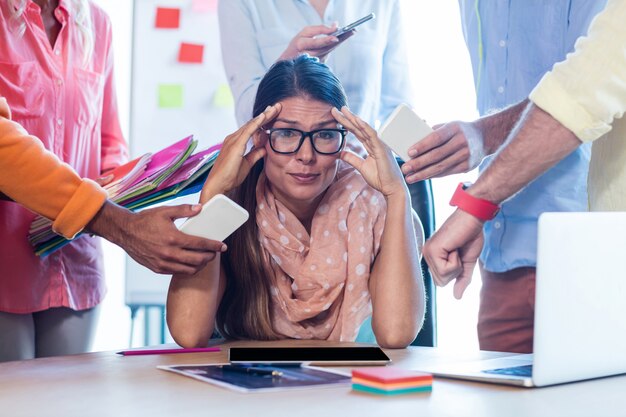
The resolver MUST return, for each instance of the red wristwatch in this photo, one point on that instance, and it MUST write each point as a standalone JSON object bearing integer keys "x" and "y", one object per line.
{"x": 477, "y": 207}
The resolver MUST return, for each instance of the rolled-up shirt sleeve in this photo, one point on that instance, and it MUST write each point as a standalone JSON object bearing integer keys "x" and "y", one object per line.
{"x": 587, "y": 91}
{"x": 38, "y": 180}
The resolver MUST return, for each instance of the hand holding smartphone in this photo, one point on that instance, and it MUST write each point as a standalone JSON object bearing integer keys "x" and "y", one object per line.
{"x": 352, "y": 25}
{"x": 218, "y": 219}
{"x": 403, "y": 129}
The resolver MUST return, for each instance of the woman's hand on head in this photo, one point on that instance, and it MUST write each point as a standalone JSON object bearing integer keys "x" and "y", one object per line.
{"x": 380, "y": 169}
{"x": 233, "y": 164}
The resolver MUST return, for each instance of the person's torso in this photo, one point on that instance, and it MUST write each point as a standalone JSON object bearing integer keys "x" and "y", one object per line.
{"x": 512, "y": 44}
{"x": 59, "y": 100}
{"x": 358, "y": 62}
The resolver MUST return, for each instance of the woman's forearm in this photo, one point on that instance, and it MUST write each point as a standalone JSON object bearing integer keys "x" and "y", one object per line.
{"x": 396, "y": 284}
{"x": 192, "y": 302}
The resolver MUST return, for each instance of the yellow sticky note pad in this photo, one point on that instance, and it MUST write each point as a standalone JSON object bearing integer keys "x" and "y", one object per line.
{"x": 223, "y": 98}
{"x": 170, "y": 96}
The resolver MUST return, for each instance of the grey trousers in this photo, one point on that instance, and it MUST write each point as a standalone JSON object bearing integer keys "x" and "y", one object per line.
{"x": 53, "y": 332}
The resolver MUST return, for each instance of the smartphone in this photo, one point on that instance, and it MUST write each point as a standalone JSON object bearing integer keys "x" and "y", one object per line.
{"x": 332, "y": 356}
{"x": 403, "y": 129}
{"x": 353, "y": 25}
{"x": 218, "y": 219}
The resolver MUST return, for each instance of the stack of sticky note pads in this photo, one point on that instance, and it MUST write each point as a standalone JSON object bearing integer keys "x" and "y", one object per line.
{"x": 390, "y": 381}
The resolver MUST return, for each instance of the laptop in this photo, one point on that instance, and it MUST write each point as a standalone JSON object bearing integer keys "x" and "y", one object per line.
{"x": 580, "y": 307}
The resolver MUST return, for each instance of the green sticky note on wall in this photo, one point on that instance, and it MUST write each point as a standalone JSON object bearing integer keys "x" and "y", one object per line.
{"x": 170, "y": 96}
{"x": 223, "y": 98}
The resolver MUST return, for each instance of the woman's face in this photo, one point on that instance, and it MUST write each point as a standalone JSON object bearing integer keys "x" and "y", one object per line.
{"x": 299, "y": 180}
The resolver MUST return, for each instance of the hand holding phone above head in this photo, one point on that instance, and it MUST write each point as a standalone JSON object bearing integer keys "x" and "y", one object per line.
{"x": 320, "y": 40}
{"x": 312, "y": 40}
{"x": 352, "y": 26}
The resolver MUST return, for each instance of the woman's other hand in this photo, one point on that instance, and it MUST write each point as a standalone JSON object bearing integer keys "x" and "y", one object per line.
{"x": 233, "y": 164}
{"x": 380, "y": 169}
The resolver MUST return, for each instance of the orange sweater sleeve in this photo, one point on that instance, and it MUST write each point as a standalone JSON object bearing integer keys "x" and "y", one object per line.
{"x": 37, "y": 179}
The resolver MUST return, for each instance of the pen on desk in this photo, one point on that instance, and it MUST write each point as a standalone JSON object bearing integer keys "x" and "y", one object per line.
{"x": 166, "y": 351}
{"x": 251, "y": 370}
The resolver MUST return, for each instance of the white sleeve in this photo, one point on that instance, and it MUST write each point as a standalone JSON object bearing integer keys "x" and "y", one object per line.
{"x": 241, "y": 55}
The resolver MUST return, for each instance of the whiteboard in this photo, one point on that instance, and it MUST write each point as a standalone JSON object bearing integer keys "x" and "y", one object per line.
{"x": 205, "y": 112}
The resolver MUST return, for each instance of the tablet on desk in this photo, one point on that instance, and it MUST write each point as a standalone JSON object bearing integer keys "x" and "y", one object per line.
{"x": 330, "y": 356}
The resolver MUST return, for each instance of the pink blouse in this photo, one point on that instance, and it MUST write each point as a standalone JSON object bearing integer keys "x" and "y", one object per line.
{"x": 72, "y": 108}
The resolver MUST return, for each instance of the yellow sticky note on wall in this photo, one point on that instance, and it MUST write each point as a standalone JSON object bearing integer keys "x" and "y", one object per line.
{"x": 170, "y": 96}
{"x": 223, "y": 98}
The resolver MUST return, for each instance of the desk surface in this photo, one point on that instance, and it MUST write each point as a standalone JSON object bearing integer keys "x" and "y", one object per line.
{"x": 106, "y": 384}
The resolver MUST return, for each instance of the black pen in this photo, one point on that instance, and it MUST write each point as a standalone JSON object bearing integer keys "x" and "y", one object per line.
{"x": 251, "y": 370}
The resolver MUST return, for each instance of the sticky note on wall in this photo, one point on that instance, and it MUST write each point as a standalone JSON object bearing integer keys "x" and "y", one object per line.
{"x": 223, "y": 98}
{"x": 170, "y": 96}
{"x": 167, "y": 18}
{"x": 204, "y": 6}
{"x": 190, "y": 53}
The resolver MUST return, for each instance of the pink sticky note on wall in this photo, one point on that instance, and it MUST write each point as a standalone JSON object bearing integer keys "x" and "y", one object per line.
{"x": 204, "y": 6}
{"x": 167, "y": 18}
{"x": 190, "y": 53}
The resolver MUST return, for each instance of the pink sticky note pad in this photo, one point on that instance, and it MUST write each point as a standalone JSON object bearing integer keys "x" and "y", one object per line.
{"x": 204, "y": 6}
{"x": 386, "y": 375}
{"x": 191, "y": 53}
{"x": 167, "y": 18}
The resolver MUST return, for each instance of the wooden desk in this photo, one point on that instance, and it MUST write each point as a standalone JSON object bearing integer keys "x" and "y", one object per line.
{"x": 106, "y": 384}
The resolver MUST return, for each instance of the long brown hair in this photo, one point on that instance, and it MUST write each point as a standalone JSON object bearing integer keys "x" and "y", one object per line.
{"x": 244, "y": 312}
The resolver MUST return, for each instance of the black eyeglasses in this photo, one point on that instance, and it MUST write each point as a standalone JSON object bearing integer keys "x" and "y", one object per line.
{"x": 324, "y": 141}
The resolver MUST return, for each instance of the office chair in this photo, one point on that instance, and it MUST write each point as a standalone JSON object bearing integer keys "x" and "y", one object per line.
{"x": 423, "y": 204}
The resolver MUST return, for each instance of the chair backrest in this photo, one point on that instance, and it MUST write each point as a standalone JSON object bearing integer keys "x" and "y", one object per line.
{"x": 423, "y": 203}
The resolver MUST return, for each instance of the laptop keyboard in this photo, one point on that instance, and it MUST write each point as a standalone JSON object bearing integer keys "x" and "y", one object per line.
{"x": 525, "y": 370}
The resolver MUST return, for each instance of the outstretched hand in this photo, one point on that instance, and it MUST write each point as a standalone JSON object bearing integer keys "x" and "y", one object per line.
{"x": 151, "y": 238}
{"x": 233, "y": 164}
{"x": 380, "y": 169}
{"x": 453, "y": 148}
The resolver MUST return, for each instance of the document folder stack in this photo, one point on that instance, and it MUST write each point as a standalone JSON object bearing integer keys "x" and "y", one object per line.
{"x": 143, "y": 182}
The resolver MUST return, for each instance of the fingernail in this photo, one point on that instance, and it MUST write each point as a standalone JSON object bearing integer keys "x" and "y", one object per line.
{"x": 196, "y": 207}
{"x": 412, "y": 153}
{"x": 223, "y": 248}
{"x": 268, "y": 107}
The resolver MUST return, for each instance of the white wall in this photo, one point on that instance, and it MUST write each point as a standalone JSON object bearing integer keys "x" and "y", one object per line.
{"x": 114, "y": 326}
{"x": 444, "y": 91}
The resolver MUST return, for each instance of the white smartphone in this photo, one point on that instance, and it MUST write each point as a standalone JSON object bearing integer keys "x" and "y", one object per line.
{"x": 403, "y": 129}
{"x": 219, "y": 218}
{"x": 353, "y": 25}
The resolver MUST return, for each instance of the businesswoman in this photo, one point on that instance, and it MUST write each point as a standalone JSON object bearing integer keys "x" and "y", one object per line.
{"x": 56, "y": 72}
{"x": 332, "y": 237}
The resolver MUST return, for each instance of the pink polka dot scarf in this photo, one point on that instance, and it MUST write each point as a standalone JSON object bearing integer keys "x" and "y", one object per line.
{"x": 320, "y": 283}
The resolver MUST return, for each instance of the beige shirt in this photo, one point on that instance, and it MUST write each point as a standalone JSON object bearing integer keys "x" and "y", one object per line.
{"x": 587, "y": 94}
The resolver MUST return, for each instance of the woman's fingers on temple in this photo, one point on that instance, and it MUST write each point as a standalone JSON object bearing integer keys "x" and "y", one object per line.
{"x": 255, "y": 155}
{"x": 352, "y": 159}
{"x": 247, "y": 130}
{"x": 342, "y": 117}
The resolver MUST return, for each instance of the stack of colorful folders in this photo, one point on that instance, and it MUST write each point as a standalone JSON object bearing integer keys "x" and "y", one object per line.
{"x": 148, "y": 180}
{"x": 390, "y": 381}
